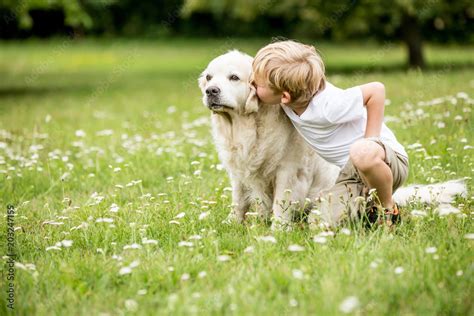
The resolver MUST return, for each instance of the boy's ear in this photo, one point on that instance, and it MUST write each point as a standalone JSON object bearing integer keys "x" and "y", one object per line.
{"x": 286, "y": 97}
{"x": 251, "y": 105}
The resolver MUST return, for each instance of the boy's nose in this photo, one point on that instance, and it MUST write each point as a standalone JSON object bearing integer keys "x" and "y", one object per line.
{"x": 212, "y": 91}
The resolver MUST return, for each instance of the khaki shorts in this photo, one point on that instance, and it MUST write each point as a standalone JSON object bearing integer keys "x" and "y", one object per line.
{"x": 340, "y": 201}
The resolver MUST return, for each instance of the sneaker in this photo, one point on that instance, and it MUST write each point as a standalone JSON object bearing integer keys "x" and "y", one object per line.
{"x": 389, "y": 217}
{"x": 392, "y": 216}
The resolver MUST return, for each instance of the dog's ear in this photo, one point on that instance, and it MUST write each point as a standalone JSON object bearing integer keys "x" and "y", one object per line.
{"x": 202, "y": 81}
{"x": 251, "y": 105}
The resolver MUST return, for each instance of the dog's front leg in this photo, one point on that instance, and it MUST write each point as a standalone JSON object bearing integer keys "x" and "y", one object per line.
{"x": 290, "y": 193}
{"x": 240, "y": 202}
{"x": 283, "y": 209}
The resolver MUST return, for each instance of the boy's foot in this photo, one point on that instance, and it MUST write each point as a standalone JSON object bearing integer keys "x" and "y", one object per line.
{"x": 389, "y": 216}
{"x": 392, "y": 216}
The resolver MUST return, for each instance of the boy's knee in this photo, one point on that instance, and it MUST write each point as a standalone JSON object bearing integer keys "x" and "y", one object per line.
{"x": 366, "y": 154}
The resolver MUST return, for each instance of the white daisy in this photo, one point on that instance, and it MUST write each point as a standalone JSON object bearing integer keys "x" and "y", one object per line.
{"x": 268, "y": 238}
{"x": 66, "y": 243}
{"x": 399, "y": 270}
{"x": 125, "y": 270}
{"x": 223, "y": 258}
{"x": 349, "y": 304}
{"x": 295, "y": 248}
{"x": 297, "y": 274}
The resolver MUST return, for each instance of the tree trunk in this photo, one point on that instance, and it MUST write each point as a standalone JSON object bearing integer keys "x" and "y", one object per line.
{"x": 411, "y": 33}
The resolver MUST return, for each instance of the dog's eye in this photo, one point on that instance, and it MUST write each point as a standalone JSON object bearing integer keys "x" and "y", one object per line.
{"x": 234, "y": 78}
{"x": 208, "y": 77}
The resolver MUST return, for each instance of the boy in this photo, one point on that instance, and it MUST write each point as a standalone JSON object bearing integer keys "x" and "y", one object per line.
{"x": 345, "y": 127}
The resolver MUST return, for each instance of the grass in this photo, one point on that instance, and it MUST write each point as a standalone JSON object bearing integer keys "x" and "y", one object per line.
{"x": 88, "y": 127}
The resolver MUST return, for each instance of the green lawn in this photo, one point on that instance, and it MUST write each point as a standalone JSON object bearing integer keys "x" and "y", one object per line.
{"x": 106, "y": 144}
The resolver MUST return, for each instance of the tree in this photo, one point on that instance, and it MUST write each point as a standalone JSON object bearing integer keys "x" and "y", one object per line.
{"x": 75, "y": 13}
{"x": 406, "y": 20}
{"x": 411, "y": 20}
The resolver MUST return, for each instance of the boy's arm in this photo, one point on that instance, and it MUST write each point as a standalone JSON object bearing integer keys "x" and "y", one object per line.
{"x": 373, "y": 94}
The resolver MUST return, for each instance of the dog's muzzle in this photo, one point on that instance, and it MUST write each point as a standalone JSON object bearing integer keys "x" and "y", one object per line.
{"x": 213, "y": 106}
{"x": 213, "y": 91}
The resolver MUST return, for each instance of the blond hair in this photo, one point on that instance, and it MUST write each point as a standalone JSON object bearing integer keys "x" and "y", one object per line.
{"x": 293, "y": 67}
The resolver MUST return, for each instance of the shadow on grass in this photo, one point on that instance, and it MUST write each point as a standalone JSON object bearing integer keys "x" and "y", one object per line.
{"x": 19, "y": 91}
{"x": 85, "y": 86}
{"x": 357, "y": 69}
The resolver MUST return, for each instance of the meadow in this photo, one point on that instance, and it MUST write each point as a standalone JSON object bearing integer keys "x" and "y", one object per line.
{"x": 106, "y": 154}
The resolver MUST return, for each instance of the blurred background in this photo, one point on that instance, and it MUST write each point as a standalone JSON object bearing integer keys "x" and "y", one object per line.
{"x": 76, "y": 58}
{"x": 411, "y": 22}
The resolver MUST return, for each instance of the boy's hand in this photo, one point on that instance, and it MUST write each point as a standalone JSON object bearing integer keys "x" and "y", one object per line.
{"x": 374, "y": 100}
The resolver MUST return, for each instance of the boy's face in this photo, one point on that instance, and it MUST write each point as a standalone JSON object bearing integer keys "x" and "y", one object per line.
{"x": 265, "y": 94}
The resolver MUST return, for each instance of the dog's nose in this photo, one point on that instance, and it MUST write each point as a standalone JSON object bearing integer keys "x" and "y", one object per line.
{"x": 212, "y": 91}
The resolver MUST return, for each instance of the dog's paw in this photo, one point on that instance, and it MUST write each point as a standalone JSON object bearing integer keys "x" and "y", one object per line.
{"x": 314, "y": 215}
{"x": 280, "y": 225}
{"x": 233, "y": 218}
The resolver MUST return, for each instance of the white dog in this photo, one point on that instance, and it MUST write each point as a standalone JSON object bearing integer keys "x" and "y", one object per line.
{"x": 268, "y": 162}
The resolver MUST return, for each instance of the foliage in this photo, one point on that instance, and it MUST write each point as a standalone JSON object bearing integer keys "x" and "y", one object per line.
{"x": 75, "y": 14}
{"x": 346, "y": 18}
{"x": 406, "y": 20}
{"x": 440, "y": 20}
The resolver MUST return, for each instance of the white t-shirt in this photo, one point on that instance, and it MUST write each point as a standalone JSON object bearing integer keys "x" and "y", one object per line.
{"x": 334, "y": 120}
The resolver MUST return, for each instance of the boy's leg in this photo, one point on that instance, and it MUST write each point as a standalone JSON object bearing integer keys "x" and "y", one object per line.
{"x": 369, "y": 157}
{"x": 382, "y": 169}
{"x": 341, "y": 200}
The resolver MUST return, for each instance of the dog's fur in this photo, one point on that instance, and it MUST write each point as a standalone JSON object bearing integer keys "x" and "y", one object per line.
{"x": 267, "y": 160}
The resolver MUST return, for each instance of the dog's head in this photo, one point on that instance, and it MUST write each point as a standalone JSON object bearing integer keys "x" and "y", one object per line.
{"x": 225, "y": 84}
